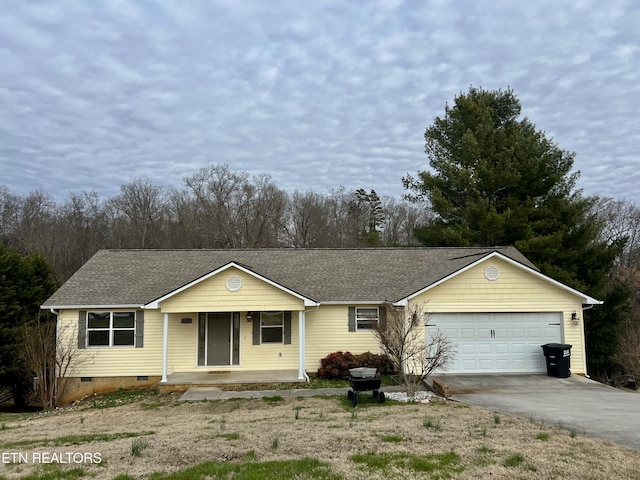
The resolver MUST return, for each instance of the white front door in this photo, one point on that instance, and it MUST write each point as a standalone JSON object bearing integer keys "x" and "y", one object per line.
{"x": 497, "y": 342}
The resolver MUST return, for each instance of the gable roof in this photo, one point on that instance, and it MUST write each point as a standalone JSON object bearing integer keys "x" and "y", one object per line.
{"x": 134, "y": 278}
{"x": 156, "y": 303}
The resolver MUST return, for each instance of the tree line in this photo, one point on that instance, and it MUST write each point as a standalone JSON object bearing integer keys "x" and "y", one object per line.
{"x": 494, "y": 179}
{"x": 215, "y": 208}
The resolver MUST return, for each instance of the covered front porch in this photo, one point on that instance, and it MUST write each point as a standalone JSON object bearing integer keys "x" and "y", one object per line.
{"x": 181, "y": 381}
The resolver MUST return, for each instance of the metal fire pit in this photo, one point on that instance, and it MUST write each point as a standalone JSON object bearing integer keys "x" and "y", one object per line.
{"x": 363, "y": 384}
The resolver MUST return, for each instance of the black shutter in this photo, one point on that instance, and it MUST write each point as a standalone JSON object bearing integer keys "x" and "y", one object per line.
{"x": 382, "y": 317}
{"x": 256, "y": 328}
{"x": 82, "y": 329}
{"x": 287, "y": 328}
{"x": 352, "y": 319}
{"x": 139, "y": 328}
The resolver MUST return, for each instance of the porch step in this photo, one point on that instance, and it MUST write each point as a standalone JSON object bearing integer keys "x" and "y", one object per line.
{"x": 182, "y": 381}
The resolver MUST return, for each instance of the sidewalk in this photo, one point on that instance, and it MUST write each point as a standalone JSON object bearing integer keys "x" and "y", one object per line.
{"x": 203, "y": 394}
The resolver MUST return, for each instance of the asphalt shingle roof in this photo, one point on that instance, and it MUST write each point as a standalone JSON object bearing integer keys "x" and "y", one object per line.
{"x": 137, "y": 277}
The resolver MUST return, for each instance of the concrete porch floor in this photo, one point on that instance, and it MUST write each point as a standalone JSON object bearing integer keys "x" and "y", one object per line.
{"x": 180, "y": 381}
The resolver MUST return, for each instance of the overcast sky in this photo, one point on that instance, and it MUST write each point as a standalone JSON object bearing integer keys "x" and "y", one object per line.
{"x": 317, "y": 94}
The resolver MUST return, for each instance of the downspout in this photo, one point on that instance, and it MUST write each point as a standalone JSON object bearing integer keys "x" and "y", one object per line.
{"x": 302, "y": 335}
{"x": 55, "y": 372}
{"x": 584, "y": 337}
{"x": 302, "y": 375}
{"x": 165, "y": 347}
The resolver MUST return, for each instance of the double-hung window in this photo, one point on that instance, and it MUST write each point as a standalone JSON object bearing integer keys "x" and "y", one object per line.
{"x": 111, "y": 329}
{"x": 367, "y": 318}
{"x": 271, "y": 327}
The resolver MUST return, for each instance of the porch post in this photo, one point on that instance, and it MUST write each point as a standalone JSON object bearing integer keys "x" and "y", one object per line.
{"x": 301, "y": 345}
{"x": 165, "y": 346}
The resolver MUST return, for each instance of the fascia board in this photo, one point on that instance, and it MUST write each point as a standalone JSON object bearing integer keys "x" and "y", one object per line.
{"x": 86, "y": 307}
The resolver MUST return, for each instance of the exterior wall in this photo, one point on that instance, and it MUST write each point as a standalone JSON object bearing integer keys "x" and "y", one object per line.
{"x": 327, "y": 331}
{"x": 115, "y": 361}
{"x": 514, "y": 291}
{"x": 183, "y": 348}
{"x": 212, "y": 295}
{"x": 76, "y": 388}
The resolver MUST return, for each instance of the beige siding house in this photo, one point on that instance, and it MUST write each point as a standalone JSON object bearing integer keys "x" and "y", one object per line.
{"x": 160, "y": 317}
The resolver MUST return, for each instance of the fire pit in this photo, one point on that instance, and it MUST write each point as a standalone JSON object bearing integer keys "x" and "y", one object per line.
{"x": 361, "y": 380}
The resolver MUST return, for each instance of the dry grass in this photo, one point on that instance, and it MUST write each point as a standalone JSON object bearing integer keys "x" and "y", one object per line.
{"x": 181, "y": 435}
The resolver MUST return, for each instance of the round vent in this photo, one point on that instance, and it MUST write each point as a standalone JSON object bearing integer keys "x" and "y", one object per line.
{"x": 491, "y": 273}
{"x": 234, "y": 283}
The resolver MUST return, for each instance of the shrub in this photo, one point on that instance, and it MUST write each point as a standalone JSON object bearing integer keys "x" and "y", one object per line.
{"x": 337, "y": 364}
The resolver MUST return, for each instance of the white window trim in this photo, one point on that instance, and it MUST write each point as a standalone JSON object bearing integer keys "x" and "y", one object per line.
{"x": 111, "y": 329}
{"x": 363, "y": 319}
{"x": 281, "y": 327}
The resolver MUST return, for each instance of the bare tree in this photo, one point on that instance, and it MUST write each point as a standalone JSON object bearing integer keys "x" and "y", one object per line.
{"x": 401, "y": 219}
{"x": 184, "y": 221}
{"x": 414, "y": 355}
{"x": 50, "y": 354}
{"x": 306, "y": 221}
{"x": 140, "y": 212}
{"x": 237, "y": 211}
{"x": 26, "y": 220}
{"x": 82, "y": 228}
{"x": 621, "y": 222}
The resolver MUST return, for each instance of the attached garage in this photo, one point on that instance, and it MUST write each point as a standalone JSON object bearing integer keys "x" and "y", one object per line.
{"x": 497, "y": 342}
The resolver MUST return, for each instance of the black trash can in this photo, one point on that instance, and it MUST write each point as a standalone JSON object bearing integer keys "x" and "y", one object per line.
{"x": 558, "y": 357}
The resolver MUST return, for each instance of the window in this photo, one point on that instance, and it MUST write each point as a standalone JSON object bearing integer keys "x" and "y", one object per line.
{"x": 367, "y": 318}
{"x": 111, "y": 329}
{"x": 271, "y": 327}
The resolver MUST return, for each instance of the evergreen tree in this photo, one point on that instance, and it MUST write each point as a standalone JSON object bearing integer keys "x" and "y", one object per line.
{"x": 25, "y": 283}
{"x": 496, "y": 180}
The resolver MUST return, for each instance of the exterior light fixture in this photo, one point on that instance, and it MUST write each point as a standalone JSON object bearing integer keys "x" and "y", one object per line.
{"x": 574, "y": 318}
{"x": 249, "y": 317}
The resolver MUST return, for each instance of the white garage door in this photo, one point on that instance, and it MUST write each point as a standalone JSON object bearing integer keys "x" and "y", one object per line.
{"x": 497, "y": 342}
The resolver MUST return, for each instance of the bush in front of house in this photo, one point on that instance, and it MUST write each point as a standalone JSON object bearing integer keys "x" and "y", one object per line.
{"x": 336, "y": 365}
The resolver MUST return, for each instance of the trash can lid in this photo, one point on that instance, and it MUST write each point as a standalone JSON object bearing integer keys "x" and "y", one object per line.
{"x": 559, "y": 346}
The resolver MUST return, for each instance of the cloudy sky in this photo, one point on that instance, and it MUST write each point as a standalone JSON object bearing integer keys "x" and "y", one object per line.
{"x": 317, "y": 94}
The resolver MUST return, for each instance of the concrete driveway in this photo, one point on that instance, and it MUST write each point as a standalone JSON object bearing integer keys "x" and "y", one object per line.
{"x": 576, "y": 402}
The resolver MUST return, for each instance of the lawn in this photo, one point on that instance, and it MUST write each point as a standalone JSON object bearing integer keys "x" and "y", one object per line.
{"x": 145, "y": 435}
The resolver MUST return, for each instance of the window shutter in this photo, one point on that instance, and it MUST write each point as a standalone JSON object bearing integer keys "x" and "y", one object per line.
{"x": 256, "y": 328}
{"x": 287, "y": 328}
{"x": 139, "y": 328}
{"x": 352, "y": 319}
{"x": 382, "y": 317}
{"x": 82, "y": 329}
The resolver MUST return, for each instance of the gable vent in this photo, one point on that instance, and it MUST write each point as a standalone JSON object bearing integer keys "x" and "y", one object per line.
{"x": 492, "y": 273}
{"x": 234, "y": 283}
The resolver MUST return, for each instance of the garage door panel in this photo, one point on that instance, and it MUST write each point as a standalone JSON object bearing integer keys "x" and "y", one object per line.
{"x": 481, "y": 333}
{"x": 498, "y": 342}
{"x": 468, "y": 349}
{"x": 518, "y": 333}
{"x": 467, "y": 334}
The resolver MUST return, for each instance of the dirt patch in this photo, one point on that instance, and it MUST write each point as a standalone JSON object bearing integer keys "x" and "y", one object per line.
{"x": 173, "y": 436}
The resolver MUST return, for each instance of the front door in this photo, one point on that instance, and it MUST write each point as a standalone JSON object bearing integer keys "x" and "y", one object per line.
{"x": 218, "y": 335}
